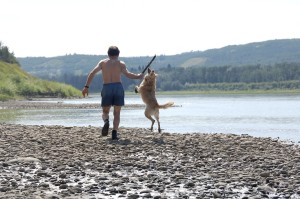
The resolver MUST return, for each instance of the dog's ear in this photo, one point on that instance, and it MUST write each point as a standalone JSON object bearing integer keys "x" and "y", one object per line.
{"x": 149, "y": 70}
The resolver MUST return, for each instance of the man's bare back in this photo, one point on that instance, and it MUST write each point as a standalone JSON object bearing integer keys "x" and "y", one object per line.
{"x": 111, "y": 70}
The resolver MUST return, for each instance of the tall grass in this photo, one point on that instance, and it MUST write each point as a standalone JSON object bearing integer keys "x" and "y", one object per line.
{"x": 17, "y": 84}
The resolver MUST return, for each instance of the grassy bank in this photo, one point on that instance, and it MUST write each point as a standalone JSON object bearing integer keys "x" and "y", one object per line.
{"x": 17, "y": 84}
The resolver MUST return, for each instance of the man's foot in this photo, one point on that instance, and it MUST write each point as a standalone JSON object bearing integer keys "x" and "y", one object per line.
{"x": 105, "y": 128}
{"x": 114, "y": 135}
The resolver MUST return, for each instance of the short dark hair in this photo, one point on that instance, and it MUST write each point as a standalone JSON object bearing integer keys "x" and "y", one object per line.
{"x": 113, "y": 51}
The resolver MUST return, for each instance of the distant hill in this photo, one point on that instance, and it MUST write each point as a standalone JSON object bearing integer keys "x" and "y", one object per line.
{"x": 16, "y": 83}
{"x": 264, "y": 53}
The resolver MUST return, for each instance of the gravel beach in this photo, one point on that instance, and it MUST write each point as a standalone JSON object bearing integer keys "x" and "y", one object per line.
{"x": 77, "y": 162}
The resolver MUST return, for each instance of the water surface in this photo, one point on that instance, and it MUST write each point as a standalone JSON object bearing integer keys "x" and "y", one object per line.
{"x": 256, "y": 115}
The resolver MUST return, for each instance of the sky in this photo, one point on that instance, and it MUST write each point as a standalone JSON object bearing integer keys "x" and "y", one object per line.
{"x": 48, "y": 28}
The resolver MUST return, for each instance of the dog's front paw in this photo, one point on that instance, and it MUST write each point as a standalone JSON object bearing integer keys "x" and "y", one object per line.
{"x": 136, "y": 90}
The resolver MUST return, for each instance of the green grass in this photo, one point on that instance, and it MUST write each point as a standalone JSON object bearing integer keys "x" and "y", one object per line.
{"x": 17, "y": 84}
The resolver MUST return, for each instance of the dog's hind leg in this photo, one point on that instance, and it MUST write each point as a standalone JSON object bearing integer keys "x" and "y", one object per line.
{"x": 152, "y": 120}
{"x": 156, "y": 115}
{"x": 147, "y": 114}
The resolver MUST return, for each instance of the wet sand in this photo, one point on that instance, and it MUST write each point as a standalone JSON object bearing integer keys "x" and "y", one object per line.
{"x": 77, "y": 162}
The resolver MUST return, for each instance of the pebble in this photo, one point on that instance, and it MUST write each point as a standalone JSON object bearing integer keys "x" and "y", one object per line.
{"x": 77, "y": 162}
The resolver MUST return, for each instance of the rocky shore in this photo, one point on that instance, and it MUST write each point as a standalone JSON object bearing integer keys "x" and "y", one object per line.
{"x": 76, "y": 162}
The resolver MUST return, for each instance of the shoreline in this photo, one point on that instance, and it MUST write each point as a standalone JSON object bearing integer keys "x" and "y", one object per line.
{"x": 76, "y": 162}
{"x": 26, "y": 104}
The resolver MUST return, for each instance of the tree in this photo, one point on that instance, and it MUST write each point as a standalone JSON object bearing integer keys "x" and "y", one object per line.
{"x": 7, "y": 56}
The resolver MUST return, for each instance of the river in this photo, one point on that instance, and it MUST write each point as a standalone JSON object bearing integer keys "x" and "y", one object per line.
{"x": 275, "y": 116}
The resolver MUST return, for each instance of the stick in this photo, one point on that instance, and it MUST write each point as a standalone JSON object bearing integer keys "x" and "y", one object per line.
{"x": 145, "y": 70}
{"x": 148, "y": 64}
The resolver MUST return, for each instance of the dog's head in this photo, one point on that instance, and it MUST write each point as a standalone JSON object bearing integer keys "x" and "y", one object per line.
{"x": 150, "y": 77}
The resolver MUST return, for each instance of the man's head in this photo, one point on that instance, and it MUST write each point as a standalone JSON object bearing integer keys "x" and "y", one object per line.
{"x": 113, "y": 51}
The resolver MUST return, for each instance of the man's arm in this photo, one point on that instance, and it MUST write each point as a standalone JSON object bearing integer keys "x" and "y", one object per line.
{"x": 130, "y": 74}
{"x": 92, "y": 74}
{"x": 85, "y": 90}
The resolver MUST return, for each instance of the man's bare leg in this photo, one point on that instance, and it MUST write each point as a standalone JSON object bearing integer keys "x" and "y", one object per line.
{"x": 105, "y": 112}
{"x": 117, "y": 113}
{"x": 105, "y": 117}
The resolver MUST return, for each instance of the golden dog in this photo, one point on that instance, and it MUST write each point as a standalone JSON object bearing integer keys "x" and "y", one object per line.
{"x": 147, "y": 91}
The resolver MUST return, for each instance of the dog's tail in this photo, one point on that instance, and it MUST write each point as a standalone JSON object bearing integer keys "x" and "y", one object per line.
{"x": 166, "y": 105}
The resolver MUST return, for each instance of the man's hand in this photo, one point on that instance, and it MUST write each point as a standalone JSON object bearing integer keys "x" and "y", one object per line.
{"x": 85, "y": 91}
{"x": 136, "y": 89}
{"x": 141, "y": 75}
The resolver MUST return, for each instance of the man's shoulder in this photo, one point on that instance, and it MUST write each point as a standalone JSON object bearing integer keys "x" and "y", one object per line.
{"x": 107, "y": 59}
{"x": 103, "y": 60}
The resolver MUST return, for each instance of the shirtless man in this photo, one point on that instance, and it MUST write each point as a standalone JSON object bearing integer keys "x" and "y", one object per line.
{"x": 112, "y": 92}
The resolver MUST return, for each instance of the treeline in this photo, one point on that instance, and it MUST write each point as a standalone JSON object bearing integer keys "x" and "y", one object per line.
{"x": 6, "y": 55}
{"x": 183, "y": 78}
{"x": 241, "y": 86}
{"x": 277, "y": 76}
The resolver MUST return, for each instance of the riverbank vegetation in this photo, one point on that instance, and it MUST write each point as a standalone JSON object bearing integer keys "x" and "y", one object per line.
{"x": 17, "y": 84}
{"x": 6, "y": 55}
{"x": 283, "y": 77}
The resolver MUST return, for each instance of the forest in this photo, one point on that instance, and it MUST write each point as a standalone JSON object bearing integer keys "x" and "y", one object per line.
{"x": 277, "y": 76}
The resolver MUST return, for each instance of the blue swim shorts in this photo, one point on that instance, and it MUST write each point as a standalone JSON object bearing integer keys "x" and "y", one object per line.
{"x": 112, "y": 94}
